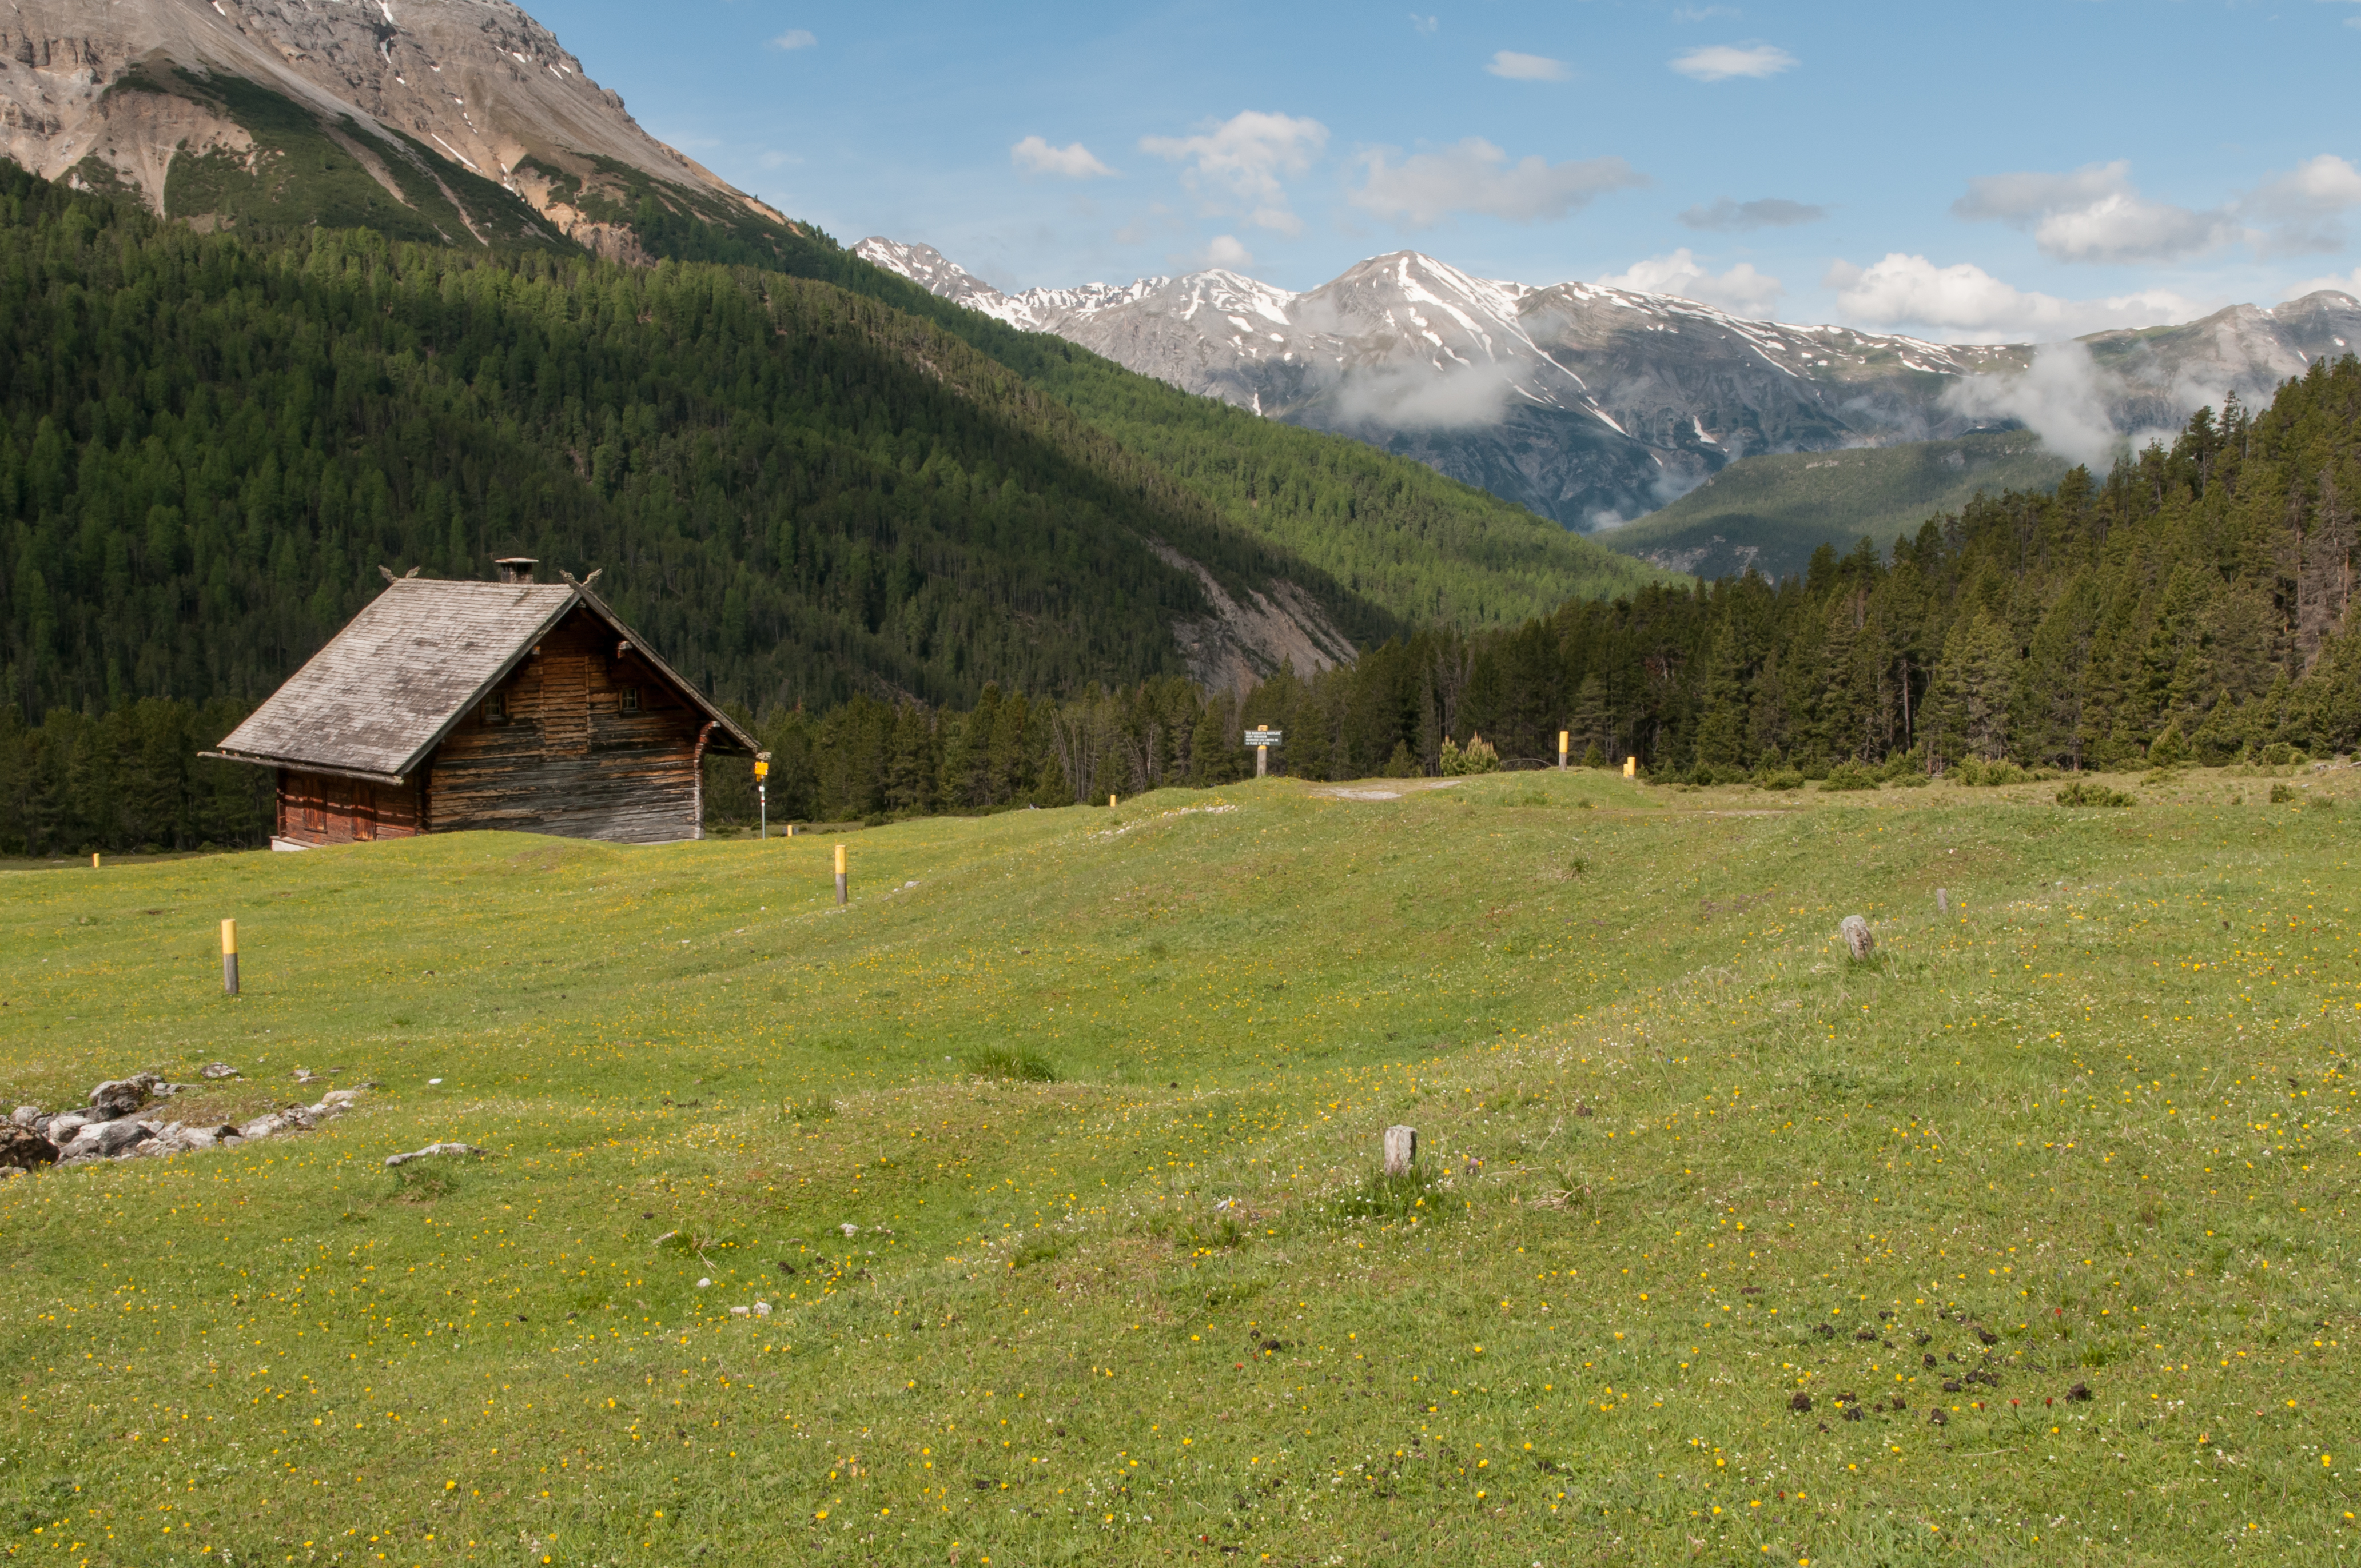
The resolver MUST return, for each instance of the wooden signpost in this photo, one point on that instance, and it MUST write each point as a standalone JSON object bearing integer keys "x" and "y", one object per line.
{"x": 1262, "y": 741}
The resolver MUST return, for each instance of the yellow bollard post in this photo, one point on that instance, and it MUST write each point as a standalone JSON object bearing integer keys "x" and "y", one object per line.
{"x": 94, "y": 859}
{"x": 1631, "y": 767}
{"x": 230, "y": 957}
{"x": 841, "y": 881}
{"x": 1564, "y": 739}
{"x": 1110, "y": 802}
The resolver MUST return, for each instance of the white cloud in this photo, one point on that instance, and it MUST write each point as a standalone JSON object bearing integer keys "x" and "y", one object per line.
{"x": 1227, "y": 250}
{"x": 2060, "y": 398}
{"x": 1072, "y": 161}
{"x": 794, "y": 39}
{"x": 1965, "y": 303}
{"x": 779, "y": 160}
{"x": 2350, "y": 283}
{"x": 1423, "y": 397}
{"x": 1245, "y": 157}
{"x": 1741, "y": 291}
{"x": 2093, "y": 214}
{"x": 1703, "y": 13}
{"x": 1419, "y": 24}
{"x": 1719, "y": 62}
{"x": 1477, "y": 177}
{"x": 2301, "y": 206}
{"x": 1516, "y": 67}
{"x": 1770, "y": 213}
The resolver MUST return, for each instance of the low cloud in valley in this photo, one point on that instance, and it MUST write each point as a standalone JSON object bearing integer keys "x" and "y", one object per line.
{"x": 2061, "y": 397}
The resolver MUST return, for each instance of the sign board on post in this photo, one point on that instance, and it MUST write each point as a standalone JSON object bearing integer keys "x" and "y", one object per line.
{"x": 1262, "y": 741}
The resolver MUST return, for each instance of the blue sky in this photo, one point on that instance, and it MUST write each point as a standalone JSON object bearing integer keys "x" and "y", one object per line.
{"x": 1996, "y": 171}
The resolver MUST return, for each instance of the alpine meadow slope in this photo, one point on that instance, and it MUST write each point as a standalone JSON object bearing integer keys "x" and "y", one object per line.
{"x": 1029, "y": 1208}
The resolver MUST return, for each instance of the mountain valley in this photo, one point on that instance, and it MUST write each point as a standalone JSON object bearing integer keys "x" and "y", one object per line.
{"x": 1595, "y": 406}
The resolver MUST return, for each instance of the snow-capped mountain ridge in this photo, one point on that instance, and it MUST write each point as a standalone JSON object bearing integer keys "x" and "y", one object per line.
{"x": 1578, "y": 399}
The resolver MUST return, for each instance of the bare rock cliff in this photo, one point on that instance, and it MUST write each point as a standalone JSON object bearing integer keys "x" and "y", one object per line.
{"x": 117, "y": 90}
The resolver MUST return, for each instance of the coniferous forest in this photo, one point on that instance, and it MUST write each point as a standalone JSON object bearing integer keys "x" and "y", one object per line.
{"x": 915, "y": 567}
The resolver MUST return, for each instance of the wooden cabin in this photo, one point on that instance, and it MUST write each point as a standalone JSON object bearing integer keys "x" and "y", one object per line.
{"x": 514, "y": 704}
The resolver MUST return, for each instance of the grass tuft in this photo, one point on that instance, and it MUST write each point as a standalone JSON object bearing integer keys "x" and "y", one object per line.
{"x": 1008, "y": 1062}
{"x": 1414, "y": 1198}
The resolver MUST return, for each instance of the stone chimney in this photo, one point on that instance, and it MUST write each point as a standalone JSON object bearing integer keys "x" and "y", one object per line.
{"x": 516, "y": 568}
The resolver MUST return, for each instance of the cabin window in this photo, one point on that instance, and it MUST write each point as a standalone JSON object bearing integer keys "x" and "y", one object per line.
{"x": 631, "y": 699}
{"x": 496, "y": 707}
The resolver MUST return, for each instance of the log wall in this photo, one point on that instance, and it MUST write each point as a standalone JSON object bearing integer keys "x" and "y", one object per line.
{"x": 316, "y": 809}
{"x": 568, "y": 757}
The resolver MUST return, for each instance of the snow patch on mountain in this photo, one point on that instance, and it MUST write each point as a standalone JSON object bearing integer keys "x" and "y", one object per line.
{"x": 1594, "y": 405}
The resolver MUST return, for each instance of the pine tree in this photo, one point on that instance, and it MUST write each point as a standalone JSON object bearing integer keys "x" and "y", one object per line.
{"x": 1721, "y": 720}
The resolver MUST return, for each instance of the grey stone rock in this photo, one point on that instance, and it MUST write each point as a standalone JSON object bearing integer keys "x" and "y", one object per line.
{"x": 21, "y": 1148}
{"x": 62, "y": 1129}
{"x": 292, "y": 1119}
{"x": 1858, "y": 942}
{"x": 392, "y": 1160}
{"x": 28, "y": 1116}
{"x": 218, "y": 1069}
{"x": 112, "y": 1138}
{"x": 121, "y": 1096}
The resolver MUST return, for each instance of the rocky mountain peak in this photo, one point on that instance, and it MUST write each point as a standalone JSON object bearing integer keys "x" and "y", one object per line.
{"x": 114, "y": 92}
{"x": 1592, "y": 404}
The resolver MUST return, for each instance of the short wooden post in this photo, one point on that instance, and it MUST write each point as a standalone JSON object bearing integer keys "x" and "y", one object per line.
{"x": 840, "y": 883}
{"x": 1402, "y": 1150}
{"x": 1565, "y": 738}
{"x": 1262, "y": 761}
{"x": 1631, "y": 767}
{"x": 1943, "y": 902}
{"x": 230, "y": 957}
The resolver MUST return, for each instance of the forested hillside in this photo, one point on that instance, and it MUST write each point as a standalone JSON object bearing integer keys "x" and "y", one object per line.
{"x": 2191, "y": 606}
{"x": 1424, "y": 547}
{"x": 1770, "y": 511}
{"x": 211, "y": 448}
{"x": 2194, "y": 606}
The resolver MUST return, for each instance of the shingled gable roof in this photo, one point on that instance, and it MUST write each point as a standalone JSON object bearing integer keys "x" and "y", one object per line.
{"x": 391, "y": 686}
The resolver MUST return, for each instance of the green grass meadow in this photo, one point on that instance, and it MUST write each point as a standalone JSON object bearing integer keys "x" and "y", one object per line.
{"x": 1054, "y": 1158}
